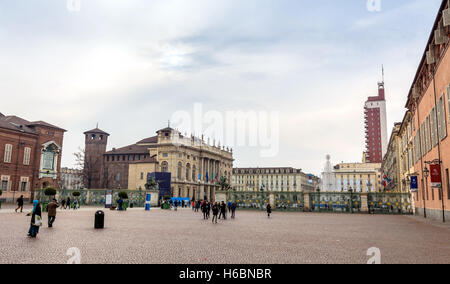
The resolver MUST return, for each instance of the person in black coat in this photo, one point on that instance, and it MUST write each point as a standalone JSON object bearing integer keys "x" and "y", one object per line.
{"x": 223, "y": 210}
{"x": 34, "y": 225}
{"x": 215, "y": 210}
{"x": 233, "y": 209}
{"x": 203, "y": 206}
{"x": 269, "y": 210}
{"x": 208, "y": 210}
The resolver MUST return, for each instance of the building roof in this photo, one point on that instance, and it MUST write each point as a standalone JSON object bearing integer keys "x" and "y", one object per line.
{"x": 43, "y": 123}
{"x": 16, "y": 123}
{"x": 131, "y": 149}
{"x": 96, "y": 131}
{"x": 150, "y": 140}
{"x": 165, "y": 129}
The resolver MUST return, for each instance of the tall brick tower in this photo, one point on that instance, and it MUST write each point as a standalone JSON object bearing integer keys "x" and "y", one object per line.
{"x": 95, "y": 146}
{"x": 376, "y": 126}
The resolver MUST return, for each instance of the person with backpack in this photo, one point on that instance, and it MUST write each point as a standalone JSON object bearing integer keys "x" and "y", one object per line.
{"x": 223, "y": 210}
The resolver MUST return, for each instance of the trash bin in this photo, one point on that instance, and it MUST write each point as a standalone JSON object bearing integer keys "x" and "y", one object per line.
{"x": 99, "y": 220}
{"x": 131, "y": 205}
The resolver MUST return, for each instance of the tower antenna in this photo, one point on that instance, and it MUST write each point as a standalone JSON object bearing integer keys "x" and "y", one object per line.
{"x": 382, "y": 73}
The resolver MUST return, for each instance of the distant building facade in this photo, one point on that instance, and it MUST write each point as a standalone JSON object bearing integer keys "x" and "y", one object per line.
{"x": 273, "y": 179}
{"x": 358, "y": 177}
{"x": 30, "y": 156}
{"x": 71, "y": 179}
{"x": 391, "y": 165}
{"x": 194, "y": 164}
{"x": 376, "y": 126}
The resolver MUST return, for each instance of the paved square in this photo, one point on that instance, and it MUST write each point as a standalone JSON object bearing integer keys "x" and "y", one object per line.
{"x": 136, "y": 236}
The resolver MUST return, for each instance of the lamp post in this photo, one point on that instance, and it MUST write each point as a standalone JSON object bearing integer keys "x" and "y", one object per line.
{"x": 426, "y": 173}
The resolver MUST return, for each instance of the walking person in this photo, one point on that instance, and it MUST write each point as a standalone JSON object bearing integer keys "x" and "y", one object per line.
{"x": 75, "y": 204}
{"x": 223, "y": 210}
{"x": 175, "y": 205}
{"x": 269, "y": 210}
{"x": 63, "y": 204}
{"x": 233, "y": 210}
{"x": 208, "y": 209}
{"x": 36, "y": 219}
{"x": 229, "y": 206}
{"x": 215, "y": 211}
{"x": 203, "y": 207}
{"x": 68, "y": 203}
{"x": 51, "y": 208}
{"x": 20, "y": 204}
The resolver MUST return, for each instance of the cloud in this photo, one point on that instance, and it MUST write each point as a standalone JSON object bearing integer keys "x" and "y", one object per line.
{"x": 130, "y": 64}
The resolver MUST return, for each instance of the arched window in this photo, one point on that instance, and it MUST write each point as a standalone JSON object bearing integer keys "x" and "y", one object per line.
{"x": 179, "y": 170}
{"x": 164, "y": 167}
{"x": 194, "y": 173}
{"x": 188, "y": 171}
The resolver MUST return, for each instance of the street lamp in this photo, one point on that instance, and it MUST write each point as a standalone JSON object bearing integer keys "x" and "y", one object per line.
{"x": 426, "y": 174}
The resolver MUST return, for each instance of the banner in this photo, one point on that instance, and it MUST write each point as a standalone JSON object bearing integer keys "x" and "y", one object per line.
{"x": 435, "y": 174}
{"x": 414, "y": 184}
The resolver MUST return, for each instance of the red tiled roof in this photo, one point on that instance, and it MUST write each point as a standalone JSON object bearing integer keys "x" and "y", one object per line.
{"x": 150, "y": 140}
{"x": 96, "y": 131}
{"x": 131, "y": 149}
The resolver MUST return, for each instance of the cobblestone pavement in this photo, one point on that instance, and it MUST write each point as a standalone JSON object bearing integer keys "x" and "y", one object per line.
{"x": 136, "y": 236}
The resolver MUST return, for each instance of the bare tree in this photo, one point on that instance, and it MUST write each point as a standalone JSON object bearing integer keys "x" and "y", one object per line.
{"x": 89, "y": 167}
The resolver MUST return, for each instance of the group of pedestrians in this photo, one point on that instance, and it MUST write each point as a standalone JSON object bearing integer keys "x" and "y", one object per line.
{"x": 179, "y": 203}
{"x": 68, "y": 203}
{"x": 219, "y": 210}
{"x": 36, "y": 216}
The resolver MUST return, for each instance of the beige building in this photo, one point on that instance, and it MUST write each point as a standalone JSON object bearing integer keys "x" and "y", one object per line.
{"x": 71, "y": 179}
{"x": 359, "y": 177}
{"x": 273, "y": 179}
{"x": 406, "y": 153}
{"x": 195, "y": 165}
{"x": 138, "y": 171}
{"x": 391, "y": 165}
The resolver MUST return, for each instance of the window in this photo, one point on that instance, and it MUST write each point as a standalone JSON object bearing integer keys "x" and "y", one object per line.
{"x": 26, "y": 156}
{"x": 118, "y": 177}
{"x": 188, "y": 171}
{"x": 164, "y": 167}
{"x": 442, "y": 125}
{"x": 8, "y": 153}
{"x": 23, "y": 184}
{"x": 179, "y": 170}
{"x": 434, "y": 139}
{"x": 165, "y": 155}
{"x": 142, "y": 175}
{"x": 5, "y": 185}
{"x": 49, "y": 158}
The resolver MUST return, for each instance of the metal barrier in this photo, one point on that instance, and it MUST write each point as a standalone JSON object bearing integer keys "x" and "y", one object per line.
{"x": 336, "y": 202}
{"x": 389, "y": 203}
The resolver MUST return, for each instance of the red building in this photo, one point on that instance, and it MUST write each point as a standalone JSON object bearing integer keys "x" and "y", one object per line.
{"x": 376, "y": 126}
{"x": 30, "y": 156}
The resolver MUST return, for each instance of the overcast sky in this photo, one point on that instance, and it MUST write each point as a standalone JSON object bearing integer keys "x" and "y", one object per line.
{"x": 129, "y": 65}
